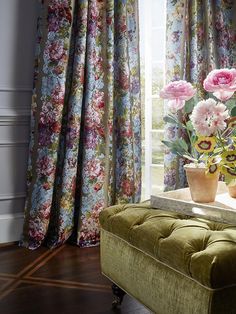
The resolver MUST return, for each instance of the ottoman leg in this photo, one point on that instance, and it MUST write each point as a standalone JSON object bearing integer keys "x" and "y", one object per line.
{"x": 118, "y": 295}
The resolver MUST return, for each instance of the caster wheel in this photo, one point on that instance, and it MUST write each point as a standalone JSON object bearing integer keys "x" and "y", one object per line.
{"x": 116, "y": 302}
{"x": 118, "y": 296}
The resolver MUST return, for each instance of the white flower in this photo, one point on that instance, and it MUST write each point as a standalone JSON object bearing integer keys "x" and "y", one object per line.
{"x": 209, "y": 116}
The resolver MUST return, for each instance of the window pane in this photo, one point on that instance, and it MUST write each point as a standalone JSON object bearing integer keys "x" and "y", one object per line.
{"x": 152, "y": 41}
{"x": 143, "y": 151}
{"x": 157, "y": 113}
{"x": 157, "y": 180}
{"x": 158, "y": 45}
{"x": 143, "y": 183}
{"x": 157, "y": 78}
{"x": 157, "y": 148}
{"x": 158, "y": 14}
{"x": 142, "y": 77}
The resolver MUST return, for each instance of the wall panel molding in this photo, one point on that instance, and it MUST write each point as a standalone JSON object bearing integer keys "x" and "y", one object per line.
{"x": 15, "y": 101}
{"x": 14, "y": 144}
{"x": 11, "y": 226}
{"x": 23, "y": 89}
{"x": 4, "y": 197}
{"x": 14, "y": 120}
{"x": 14, "y": 112}
{"x": 12, "y": 205}
{"x": 11, "y": 216}
{"x": 14, "y": 116}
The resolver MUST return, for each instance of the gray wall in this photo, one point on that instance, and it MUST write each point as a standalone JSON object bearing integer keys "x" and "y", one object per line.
{"x": 18, "y": 20}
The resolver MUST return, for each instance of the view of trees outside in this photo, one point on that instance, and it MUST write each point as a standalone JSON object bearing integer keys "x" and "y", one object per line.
{"x": 154, "y": 30}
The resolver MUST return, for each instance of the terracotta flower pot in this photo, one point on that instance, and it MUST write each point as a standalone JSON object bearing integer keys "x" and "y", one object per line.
{"x": 232, "y": 191}
{"x": 202, "y": 188}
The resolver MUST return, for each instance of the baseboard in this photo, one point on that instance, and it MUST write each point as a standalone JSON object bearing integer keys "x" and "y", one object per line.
{"x": 11, "y": 227}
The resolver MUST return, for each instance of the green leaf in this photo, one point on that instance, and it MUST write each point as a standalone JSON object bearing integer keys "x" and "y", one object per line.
{"x": 233, "y": 112}
{"x": 194, "y": 138}
{"x": 175, "y": 151}
{"x": 175, "y": 147}
{"x": 189, "y": 105}
{"x": 190, "y": 158}
{"x": 217, "y": 150}
{"x": 170, "y": 119}
{"x": 182, "y": 144}
{"x": 189, "y": 126}
{"x": 230, "y": 104}
{"x": 167, "y": 143}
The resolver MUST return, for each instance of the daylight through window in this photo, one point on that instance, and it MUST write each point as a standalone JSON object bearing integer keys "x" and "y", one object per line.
{"x": 152, "y": 53}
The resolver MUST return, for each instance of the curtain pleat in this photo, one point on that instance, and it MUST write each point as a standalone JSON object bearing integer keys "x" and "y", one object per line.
{"x": 85, "y": 146}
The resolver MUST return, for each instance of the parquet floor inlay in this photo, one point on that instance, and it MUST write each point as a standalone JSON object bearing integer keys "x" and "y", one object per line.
{"x": 62, "y": 281}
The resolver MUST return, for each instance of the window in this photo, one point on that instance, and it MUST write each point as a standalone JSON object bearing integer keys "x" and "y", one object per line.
{"x": 152, "y": 52}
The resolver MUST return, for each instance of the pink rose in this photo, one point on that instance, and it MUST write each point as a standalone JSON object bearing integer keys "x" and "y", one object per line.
{"x": 222, "y": 83}
{"x": 177, "y": 92}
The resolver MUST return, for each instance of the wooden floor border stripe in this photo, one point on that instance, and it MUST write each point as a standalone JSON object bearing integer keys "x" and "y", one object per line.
{"x": 10, "y": 276}
{"x": 24, "y": 276}
{"x": 6, "y": 284}
{"x": 53, "y": 253}
{"x": 35, "y": 262}
{"x": 64, "y": 283}
{"x": 11, "y": 287}
{"x": 46, "y": 256}
{"x": 54, "y": 284}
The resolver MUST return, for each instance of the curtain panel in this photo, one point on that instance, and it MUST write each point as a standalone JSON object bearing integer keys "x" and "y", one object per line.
{"x": 85, "y": 145}
{"x": 200, "y": 36}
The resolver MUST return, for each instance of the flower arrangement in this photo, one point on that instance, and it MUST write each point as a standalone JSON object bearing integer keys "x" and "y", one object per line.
{"x": 210, "y": 125}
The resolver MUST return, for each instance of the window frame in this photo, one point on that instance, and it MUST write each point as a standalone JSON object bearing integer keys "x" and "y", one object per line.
{"x": 149, "y": 96}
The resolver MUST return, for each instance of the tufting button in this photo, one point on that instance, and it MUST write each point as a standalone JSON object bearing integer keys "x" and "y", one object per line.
{"x": 214, "y": 230}
{"x": 166, "y": 236}
{"x": 137, "y": 224}
{"x": 216, "y": 227}
{"x": 185, "y": 217}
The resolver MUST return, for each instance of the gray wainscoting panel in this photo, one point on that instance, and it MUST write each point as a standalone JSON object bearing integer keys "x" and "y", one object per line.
{"x": 12, "y": 203}
{"x": 13, "y": 173}
{"x": 18, "y": 21}
{"x": 10, "y": 134}
{"x": 15, "y": 99}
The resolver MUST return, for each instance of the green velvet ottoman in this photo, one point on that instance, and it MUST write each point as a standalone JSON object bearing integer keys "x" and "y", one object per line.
{"x": 169, "y": 262}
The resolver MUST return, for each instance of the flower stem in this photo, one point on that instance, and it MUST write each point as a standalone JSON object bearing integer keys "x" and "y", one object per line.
{"x": 221, "y": 141}
{"x": 192, "y": 150}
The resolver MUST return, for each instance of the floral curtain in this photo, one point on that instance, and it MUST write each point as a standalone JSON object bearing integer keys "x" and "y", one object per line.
{"x": 85, "y": 144}
{"x": 201, "y": 36}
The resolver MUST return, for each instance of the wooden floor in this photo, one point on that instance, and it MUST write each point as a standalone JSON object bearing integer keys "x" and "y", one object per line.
{"x": 62, "y": 281}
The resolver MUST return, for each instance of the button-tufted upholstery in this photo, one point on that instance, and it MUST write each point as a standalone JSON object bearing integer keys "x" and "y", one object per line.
{"x": 201, "y": 249}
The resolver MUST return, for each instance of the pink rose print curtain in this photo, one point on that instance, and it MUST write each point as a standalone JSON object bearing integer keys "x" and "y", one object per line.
{"x": 85, "y": 146}
{"x": 201, "y": 36}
